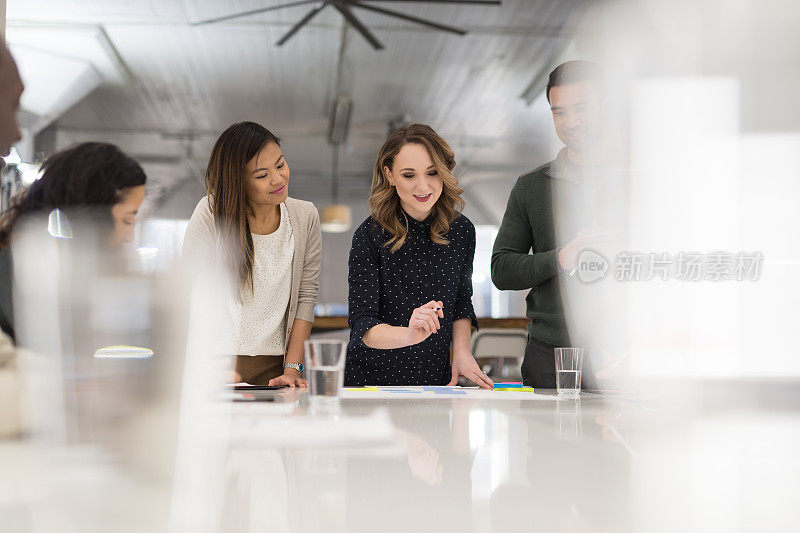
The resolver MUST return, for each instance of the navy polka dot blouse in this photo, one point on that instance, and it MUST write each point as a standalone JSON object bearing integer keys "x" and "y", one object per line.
{"x": 386, "y": 287}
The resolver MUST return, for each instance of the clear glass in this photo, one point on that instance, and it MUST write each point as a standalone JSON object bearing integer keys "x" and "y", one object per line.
{"x": 569, "y": 362}
{"x": 325, "y": 368}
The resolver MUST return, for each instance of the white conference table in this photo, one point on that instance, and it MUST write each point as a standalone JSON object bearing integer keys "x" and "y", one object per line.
{"x": 483, "y": 461}
{"x": 469, "y": 462}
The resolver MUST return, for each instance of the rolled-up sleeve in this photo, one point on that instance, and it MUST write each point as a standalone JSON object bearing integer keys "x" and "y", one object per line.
{"x": 309, "y": 282}
{"x": 363, "y": 279}
{"x": 463, "y": 306}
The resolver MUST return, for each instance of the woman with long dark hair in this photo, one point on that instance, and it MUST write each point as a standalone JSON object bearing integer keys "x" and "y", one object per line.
{"x": 93, "y": 179}
{"x": 411, "y": 270}
{"x": 269, "y": 243}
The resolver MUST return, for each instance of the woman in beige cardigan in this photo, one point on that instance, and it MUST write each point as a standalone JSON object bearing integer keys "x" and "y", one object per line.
{"x": 269, "y": 243}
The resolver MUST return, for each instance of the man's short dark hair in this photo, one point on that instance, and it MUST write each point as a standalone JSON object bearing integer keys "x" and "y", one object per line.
{"x": 573, "y": 72}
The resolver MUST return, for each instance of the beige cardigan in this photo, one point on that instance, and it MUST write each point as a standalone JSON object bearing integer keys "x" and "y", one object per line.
{"x": 201, "y": 242}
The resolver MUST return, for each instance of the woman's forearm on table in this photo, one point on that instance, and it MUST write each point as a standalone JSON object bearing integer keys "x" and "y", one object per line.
{"x": 301, "y": 329}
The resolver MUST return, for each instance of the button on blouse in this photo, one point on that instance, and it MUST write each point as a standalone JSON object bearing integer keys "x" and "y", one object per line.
{"x": 385, "y": 287}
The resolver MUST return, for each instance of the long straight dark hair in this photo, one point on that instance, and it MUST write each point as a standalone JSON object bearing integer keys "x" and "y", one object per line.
{"x": 226, "y": 176}
{"x": 88, "y": 175}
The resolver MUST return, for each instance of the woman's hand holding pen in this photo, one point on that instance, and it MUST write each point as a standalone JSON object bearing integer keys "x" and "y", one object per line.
{"x": 424, "y": 321}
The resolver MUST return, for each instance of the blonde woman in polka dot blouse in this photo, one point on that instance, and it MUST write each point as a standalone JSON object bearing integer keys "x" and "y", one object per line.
{"x": 410, "y": 276}
{"x": 269, "y": 243}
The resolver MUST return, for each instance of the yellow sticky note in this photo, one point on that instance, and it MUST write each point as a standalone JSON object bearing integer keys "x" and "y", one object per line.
{"x": 363, "y": 389}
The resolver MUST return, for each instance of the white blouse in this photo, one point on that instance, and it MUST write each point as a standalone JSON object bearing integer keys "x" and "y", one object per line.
{"x": 262, "y": 323}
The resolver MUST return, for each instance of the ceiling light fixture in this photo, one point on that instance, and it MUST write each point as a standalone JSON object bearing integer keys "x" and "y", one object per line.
{"x": 337, "y": 218}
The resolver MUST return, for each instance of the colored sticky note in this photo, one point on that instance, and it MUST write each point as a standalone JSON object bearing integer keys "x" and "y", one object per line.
{"x": 515, "y": 389}
{"x": 363, "y": 389}
{"x": 406, "y": 391}
{"x": 443, "y": 390}
{"x": 507, "y": 385}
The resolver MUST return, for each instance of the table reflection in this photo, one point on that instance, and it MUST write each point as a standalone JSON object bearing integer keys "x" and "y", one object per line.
{"x": 457, "y": 464}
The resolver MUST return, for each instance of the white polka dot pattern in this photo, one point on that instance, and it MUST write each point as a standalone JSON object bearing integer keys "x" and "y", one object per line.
{"x": 386, "y": 287}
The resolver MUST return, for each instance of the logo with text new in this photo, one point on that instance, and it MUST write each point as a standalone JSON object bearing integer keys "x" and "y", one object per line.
{"x": 592, "y": 266}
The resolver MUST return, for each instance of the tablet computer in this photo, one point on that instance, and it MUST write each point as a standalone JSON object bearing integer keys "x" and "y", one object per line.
{"x": 248, "y": 387}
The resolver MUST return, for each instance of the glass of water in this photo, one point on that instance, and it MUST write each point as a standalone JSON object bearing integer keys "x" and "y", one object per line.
{"x": 568, "y": 370}
{"x": 325, "y": 368}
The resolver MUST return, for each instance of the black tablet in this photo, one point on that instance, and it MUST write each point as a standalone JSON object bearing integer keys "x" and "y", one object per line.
{"x": 245, "y": 387}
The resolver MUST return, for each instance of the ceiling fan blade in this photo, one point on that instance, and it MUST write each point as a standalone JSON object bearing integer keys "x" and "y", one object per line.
{"x": 476, "y": 2}
{"x": 347, "y": 13}
{"x": 252, "y": 12}
{"x": 409, "y": 18}
{"x": 302, "y": 22}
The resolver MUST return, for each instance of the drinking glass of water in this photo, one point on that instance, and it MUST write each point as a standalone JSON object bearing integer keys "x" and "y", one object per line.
{"x": 568, "y": 370}
{"x": 325, "y": 368}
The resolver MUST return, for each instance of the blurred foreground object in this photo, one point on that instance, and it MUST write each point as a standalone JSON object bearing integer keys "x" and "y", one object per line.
{"x": 10, "y": 420}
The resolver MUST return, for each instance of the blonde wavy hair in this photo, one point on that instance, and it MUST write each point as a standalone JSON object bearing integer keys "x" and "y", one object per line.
{"x": 384, "y": 203}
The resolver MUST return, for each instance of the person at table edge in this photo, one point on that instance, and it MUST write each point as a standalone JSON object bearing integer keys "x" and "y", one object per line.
{"x": 575, "y": 97}
{"x": 410, "y": 270}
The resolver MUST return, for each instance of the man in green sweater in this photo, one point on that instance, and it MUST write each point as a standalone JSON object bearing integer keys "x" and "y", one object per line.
{"x": 568, "y": 183}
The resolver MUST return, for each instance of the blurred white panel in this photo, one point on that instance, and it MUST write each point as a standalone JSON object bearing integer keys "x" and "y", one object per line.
{"x": 53, "y": 83}
{"x": 770, "y": 309}
{"x": 684, "y": 190}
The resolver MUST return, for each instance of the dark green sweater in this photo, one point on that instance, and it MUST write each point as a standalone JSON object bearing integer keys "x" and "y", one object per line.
{"x": 528, "y": 225}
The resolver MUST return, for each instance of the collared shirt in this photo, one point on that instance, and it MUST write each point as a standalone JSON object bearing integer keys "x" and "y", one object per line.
{"x": 386, "y": 287}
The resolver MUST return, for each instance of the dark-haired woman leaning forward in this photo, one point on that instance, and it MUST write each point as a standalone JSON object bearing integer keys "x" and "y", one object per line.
{"x": 94, "y": 180}
{"x": 271, "y": 245}
{"x": 411, "y": 270}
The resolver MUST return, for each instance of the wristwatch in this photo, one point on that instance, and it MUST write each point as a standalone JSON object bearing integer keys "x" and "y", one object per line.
{"x": 295, "y": 366}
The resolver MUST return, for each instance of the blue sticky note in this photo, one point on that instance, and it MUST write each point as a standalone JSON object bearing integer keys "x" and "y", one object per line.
{"x": 405, "y": 391}
{"x": 507, "y": 385}
{"x": 447, "y": 390}
{"x": 443, "y": 390}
